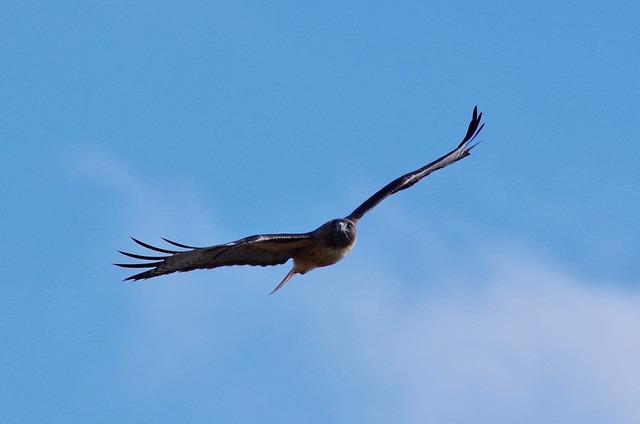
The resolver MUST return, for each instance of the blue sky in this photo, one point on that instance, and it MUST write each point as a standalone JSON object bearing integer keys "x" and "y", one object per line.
{"x": 502, "y": 289}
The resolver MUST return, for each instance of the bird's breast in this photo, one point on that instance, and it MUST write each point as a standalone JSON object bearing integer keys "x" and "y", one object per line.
{"x": 318, "y": 256}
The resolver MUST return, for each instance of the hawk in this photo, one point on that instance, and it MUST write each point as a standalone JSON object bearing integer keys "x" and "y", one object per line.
{"x": 323, "y": 246}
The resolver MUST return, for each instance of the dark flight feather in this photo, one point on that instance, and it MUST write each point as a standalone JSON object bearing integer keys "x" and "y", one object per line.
{"x": 411, "y": 178}
{"x": 258, "y": 250}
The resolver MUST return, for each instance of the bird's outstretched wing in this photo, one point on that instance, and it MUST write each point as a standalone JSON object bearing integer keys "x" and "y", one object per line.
{"x": 262, "y": 250}
{"x": 411, "y": 178}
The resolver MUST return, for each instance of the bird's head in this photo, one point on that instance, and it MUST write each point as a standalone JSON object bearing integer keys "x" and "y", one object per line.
{"x": 343, "y": 232}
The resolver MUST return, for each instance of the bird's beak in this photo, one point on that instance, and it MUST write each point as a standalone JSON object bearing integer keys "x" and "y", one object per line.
{"x": 342, "y": 227}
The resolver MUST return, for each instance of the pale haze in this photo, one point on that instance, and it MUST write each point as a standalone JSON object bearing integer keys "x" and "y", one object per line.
{"x": 502, "y": 289}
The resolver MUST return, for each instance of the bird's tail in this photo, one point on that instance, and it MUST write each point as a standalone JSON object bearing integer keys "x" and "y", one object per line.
{"x": 287, "y": 278}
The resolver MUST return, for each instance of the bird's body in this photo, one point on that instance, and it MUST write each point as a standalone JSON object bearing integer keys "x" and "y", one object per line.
{"x": 329, "y": 243}
{"x": 324, "y": 246}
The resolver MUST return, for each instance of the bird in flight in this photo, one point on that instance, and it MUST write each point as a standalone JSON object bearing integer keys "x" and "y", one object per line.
{"x": 323, "y": 246}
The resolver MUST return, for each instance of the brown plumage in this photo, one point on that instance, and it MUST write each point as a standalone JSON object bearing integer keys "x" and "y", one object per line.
{"x": 324, "y": 246}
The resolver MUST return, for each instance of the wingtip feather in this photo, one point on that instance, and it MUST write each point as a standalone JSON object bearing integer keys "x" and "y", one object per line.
{"x": 184, "y": 246}
{"x": 157, "y": 249}
{"x": 474, "y": 127}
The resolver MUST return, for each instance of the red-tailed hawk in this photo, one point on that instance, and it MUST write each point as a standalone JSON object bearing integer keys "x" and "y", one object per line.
{"x": 323, "y": 246}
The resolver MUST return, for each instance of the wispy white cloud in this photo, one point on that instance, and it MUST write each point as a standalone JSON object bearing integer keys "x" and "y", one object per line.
{"x": 524, "y": 341}
{"x": 165, "y": 330}
{"x": 150, "y": 204}
{"x": 504, "y": 336}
